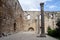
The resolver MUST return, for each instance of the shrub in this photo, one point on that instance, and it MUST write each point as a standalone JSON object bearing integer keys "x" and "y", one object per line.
{"x": 53, "y": 33}
{"x": 50, "y": 31}
{"x": 56, "y": 32}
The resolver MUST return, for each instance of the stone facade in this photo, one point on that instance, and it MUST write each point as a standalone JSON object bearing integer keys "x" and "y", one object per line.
{"x": 11, "y": 19}
{"x": 50, "y": 20}
{"x": 14, "y": 19}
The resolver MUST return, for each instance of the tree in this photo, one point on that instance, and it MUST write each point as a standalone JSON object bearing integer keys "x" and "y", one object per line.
{"x": 58, "y": 23}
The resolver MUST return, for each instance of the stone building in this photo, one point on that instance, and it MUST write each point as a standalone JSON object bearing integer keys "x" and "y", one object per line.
{"x": 14, "y": 19}
{"x": 32, "y": 23}
{"x": 11, "y": 16}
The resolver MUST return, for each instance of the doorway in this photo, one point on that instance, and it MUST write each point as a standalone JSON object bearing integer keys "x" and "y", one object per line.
{"x": 14, "y": 26}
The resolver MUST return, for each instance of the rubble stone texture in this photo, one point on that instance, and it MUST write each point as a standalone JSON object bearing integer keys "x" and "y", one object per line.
{"x": 50, "y": 20}
{"x": 10, "y": 16}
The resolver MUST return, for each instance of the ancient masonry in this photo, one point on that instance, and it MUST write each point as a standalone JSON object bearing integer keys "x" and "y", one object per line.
{"x": 14, "y": 19}
{"x": 32, "y": 23}
{"x": 11, "y": 19}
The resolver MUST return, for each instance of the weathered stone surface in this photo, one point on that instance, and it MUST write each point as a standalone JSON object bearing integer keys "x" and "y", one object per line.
{"x": 10, "y": 13}
{"x": 49, "y": 21}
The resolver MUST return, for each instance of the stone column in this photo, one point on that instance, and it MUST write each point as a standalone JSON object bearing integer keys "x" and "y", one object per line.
{"x": 42, "y": 21}
{"x": 38, "y": 25}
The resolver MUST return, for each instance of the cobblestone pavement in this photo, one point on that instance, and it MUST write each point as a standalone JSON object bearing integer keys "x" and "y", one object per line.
{"x": 26, "y": 36}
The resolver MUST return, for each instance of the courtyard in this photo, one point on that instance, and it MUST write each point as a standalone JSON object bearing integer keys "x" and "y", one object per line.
{"x": 27, "y": 36}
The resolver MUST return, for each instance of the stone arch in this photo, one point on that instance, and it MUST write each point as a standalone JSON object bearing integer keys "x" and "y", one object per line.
{"x": 31, "y": 29}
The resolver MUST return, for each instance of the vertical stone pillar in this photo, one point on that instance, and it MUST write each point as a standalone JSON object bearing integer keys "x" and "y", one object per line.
{"x": 38, "y": 25}
{"x": 42, "y": 20}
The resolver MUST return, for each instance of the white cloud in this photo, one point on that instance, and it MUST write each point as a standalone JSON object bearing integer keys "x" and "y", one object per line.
{"x": 33, "y": 9}
{"x": 52, "y": 6}
{"x": 31, "y": 4}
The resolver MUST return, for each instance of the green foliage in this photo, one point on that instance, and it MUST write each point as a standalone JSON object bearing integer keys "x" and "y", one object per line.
{"x": 49, "y": 28}
{"x": 54, "y": 33}
{"x": 58, "y": 24}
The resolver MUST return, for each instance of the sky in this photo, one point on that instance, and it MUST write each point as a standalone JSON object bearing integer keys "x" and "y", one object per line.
{"x": 34, "y": 5}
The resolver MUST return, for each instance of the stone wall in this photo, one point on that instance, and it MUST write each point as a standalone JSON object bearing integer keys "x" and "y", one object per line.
{"x": 50, "y": 20}
{"x": 11, "y": 19}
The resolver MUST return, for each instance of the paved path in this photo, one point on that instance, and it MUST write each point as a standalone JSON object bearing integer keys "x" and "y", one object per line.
{"x": 26, "y": 36}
